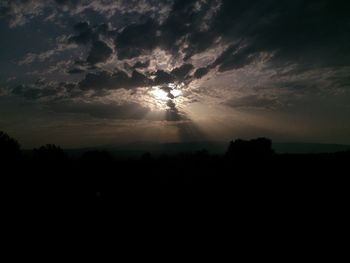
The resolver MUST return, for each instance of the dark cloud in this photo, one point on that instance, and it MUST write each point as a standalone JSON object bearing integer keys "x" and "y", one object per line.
{"x": 199, "y": 42}
{"x": 28, "y": 92}
{"x": 268, "y": 26}
{"x": 187, "y": 22}
{"x": 82, "y": 27}
{"x": 69, "y": 3}
{"x": 298, "y": 31}
{"x": 201, "y": 72}
{"x": 183, "y": 71}
{"x": 75, "y": 71}
{"x": 234, "y": 59}
{"x": 141, "y": 65}
{"x": 294, "y": 30}
{"x": 310, "y": 35}
{"x": 87, "y": 34}
{"x": 163, "y": 77}
{"x": 99, "y": 52}
{"x": 96, "y": 81}
{"x": 4, "y": 9}
{"x": 172, "y": 113}
{"x": 105, "y": 80}
{"x": 235, "y": 56}
{"x": 184, "y": 22}
{"x": 169, "y": 93}
{"x": 178, "y": 24}
{"x": 303, "y": 32}
{"x": 138, "y": 79}
{"x": 84, "y": 35}
{"x": 134, "y": 40}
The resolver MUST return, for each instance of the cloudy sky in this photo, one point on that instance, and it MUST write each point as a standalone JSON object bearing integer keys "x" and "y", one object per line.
{"x": 87, "y": 72}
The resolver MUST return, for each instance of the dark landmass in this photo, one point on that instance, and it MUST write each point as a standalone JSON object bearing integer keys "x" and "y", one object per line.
{"x": 137, "y": 149}
{"x": 249, "y": 178}
{"x": 309, "y": 148}
{"x": 249, "y": 188}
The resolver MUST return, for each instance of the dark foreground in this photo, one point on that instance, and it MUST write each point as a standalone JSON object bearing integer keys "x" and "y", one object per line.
{"x": 288, "y": 204}
{"x": 97, "y": 179}
{"x": 250, "y": 183}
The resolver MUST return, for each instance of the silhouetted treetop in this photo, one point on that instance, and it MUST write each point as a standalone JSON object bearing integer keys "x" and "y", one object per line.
{"x": 147, "y": 157}
{"x": 256, "y": 147}
{"x": 96, "y": 157}
{"x": 50, "y": 153}
{"x": 9, "y": 147}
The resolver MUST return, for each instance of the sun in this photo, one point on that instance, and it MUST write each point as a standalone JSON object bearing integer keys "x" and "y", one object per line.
{"x": 169, "y": 92}
{"x": 176, "y": 92}
{"x": 159, "y": 94}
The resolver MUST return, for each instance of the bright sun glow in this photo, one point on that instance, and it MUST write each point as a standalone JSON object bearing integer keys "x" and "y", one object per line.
{"x": 176, "y": 93}
{"x": 167, "y": 97}
{"x": 160, "y": 94}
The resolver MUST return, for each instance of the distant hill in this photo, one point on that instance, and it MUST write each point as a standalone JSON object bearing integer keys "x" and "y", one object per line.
{"x": 138, "y": 148}
{"x": 309, "y": 148}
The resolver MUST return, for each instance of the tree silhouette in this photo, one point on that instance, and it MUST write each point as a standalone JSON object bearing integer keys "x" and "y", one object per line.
{"x": 96, "y": 158}
{"x": 253, "y": 148}
{"x": 10, "y": 149}
{"x": 50, "y": 153}
{"x": 147, "y": 157}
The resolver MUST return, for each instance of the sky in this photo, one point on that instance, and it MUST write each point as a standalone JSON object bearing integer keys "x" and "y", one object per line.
{"x": 86, "y": 72}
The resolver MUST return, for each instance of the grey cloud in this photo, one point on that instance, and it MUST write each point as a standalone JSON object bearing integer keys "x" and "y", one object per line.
{"x": 20, "y": 12}
{"x": 342, "y": 80}
{"x": 61, "y": 47}
{"x": 40, "y": 90}
{"x": 254, "y": 101}
{"x": 308, "y": 34}
{"x": 128, "y": 111}
{"x": 98, "y": 81}
{"x": 319, "y": 29}
{"x": 234, "y": 57}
